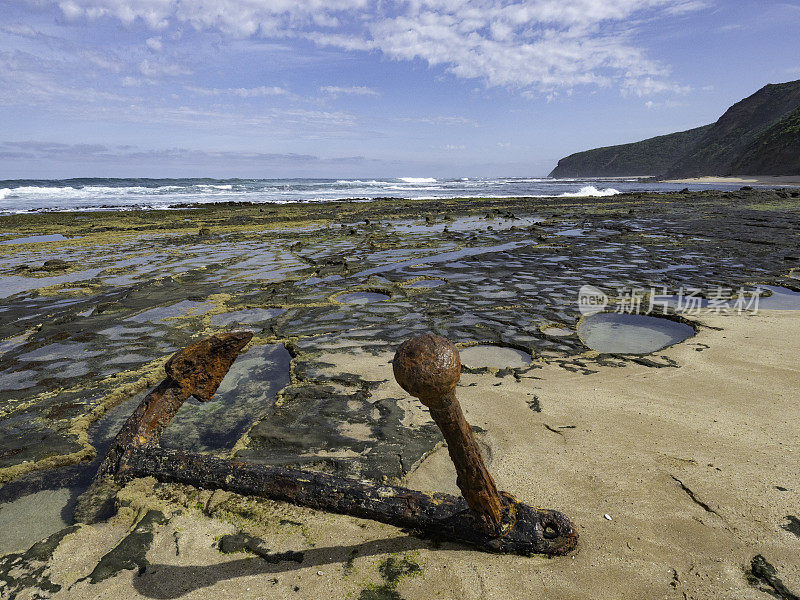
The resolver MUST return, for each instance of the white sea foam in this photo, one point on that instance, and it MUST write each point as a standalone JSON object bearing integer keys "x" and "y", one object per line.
{"x": 34, "y": 189}
{"x": 101, "y": 194}
{"x": 360, "y": 182}
{"x": 417, "y": 179}
{"x": 590, "y": 190}
{"x": 405, "y": 188}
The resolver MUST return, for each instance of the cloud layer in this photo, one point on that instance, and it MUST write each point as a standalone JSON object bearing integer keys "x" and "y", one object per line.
{"x": 30, "y": 150}
{"x": 537, "y": 46}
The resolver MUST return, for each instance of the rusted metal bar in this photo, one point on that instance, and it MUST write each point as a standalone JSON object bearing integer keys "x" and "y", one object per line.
{"x": 485, "y": 518}
{"x": 429, "y": 367}
{"x": 440, "y": 516}
{"x": 197, "y": 371}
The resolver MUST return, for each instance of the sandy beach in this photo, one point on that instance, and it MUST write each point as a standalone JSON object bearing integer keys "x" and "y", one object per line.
{"x": 678, "y": 466}
{"x": 677, "y": 477}
{"x": 778, "y": 180}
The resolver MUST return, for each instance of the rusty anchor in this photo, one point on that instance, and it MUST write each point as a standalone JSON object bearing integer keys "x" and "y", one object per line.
{"x": 427, "y": 367}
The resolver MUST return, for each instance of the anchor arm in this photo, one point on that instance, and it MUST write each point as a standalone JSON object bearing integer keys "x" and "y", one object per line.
{"x": 489, "y": 520}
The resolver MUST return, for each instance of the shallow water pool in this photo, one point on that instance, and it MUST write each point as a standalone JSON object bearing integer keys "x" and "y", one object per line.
{"x": 494, "y": 357}
{"x": 427, "y": 283}
{"x": 246, "y": 392}
{"x": 630, "y": 334}
{"x": 781, "y": 299}
{"x": 54, "y": 237}
{"x": 361, "y": 298}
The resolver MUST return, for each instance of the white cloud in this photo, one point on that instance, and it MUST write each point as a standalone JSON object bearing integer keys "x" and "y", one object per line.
{"x": 453, "y": 121}
{"x": 150, "y": 68}
{"x": 651, "y": 105}
{"x": 538, "y": 46}
{"x": 19, "y": 29}
{"x": 687, "y": 6}
{"x": 154, "y": 43}
{"x": 290, "y": 123}
{"x": 101, "y": 60}
{"x": 359, "y": 90}
{"x": 37, "y": 150}
{"x": 255, "y": 92}
{"x": 240, "y": 18}
{"x": 29, "y": 80}
{"x": 647, "y": 86}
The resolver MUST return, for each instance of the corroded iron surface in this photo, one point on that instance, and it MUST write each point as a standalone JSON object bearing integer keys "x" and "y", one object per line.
{"x": 440, "y": 516}
{"x": 484, "y": 518}
{"x": 197, "y": 371}
{"x": 200, "y": 368}
{"x": 429, "y": 368}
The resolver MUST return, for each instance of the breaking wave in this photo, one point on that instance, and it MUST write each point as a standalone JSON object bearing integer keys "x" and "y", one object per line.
{"x": 417, "y": 179}
{"x": 590, "y": 190}
{"x": 102, "y": 194}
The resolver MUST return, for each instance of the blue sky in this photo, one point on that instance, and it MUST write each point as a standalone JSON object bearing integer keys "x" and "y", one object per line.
{"x": 358, "y": 88}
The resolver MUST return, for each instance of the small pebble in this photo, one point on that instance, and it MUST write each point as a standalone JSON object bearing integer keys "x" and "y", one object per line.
{"x": 319, "y": 572}
{"x": 607, "y": 516}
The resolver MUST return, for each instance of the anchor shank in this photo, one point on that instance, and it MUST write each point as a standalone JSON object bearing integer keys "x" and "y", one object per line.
{"x": 429, "y": 367}
{"x": 473, "y": 479}
{"x": 436, "y": 515}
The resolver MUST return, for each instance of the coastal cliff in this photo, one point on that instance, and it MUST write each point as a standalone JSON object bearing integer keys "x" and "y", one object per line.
{"x": 648, "y": 157}
{"x": 759, "y": 135}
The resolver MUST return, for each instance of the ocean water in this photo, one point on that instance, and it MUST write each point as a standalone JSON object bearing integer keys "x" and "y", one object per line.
{"x": 20, "y": 195}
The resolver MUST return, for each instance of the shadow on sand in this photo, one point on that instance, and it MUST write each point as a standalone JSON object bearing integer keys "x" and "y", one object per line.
{"x": 171, "y": 581}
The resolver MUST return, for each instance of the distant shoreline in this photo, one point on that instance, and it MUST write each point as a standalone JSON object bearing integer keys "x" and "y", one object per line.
{"x": 791, "y": 180}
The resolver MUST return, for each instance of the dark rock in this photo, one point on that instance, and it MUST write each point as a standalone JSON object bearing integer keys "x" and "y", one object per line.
{"x": 55, "y": 264}
{"x": 28, "y": 571}
{"x": 792, "y": 525}
{"x": 107, "y": 307}
{"x": 757, "y": 135}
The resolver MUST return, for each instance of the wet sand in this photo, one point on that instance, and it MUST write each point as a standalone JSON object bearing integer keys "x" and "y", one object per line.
{"x": 696, "y": 466}
{"x": 791, "y": 180}
{"x": 31, "y": 518}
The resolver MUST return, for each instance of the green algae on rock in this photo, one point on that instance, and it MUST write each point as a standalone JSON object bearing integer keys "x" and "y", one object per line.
{"x": 138, "y": 285}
